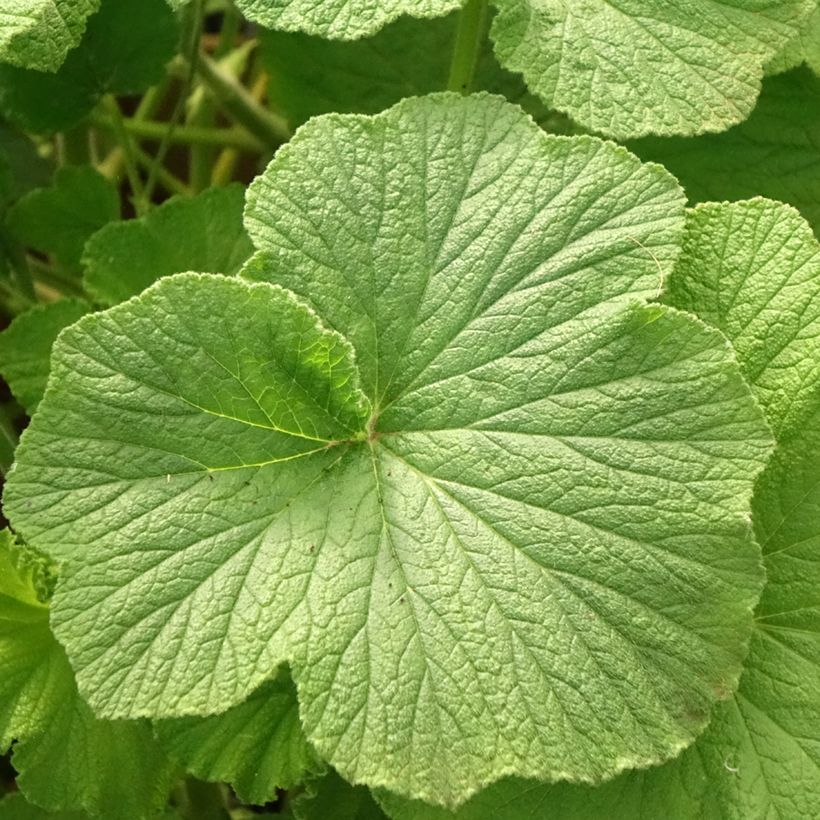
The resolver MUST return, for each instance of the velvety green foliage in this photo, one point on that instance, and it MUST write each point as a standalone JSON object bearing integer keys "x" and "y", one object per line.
{"x": 752, "y": 269}
{"x": 257, "y": 746}
{"x": 339, "y": 19}
{"x": 311, "y": 75}
{"x": 513, "y": 379}
{"x": 646, "y": 66}
{"x": 124, "y": 50}
{"x": 39, "y": 33}
{"x": 804, "y": 48}
{"x": 773, "y": 153}
{"x": 25, "y": 347}
{"x": 54, "y": 728}
{"x": 59, "y": 219}
{"x": 203, "y": 233}
{"x": 16, "y": 807}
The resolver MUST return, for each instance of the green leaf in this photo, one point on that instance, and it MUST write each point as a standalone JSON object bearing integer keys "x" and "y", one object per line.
{"x": 532, "y": 555}
{"x": 257, "y": 746}
{"x": 58, "y": 220}
{"x": 15, "y": 807}
{"x": 752, "y": 269}
{"x": 409, "y": 57}
{"x": 25, "y": 347}
{"x": 123, "y": 51}
{"x": 54, "y": 728}
{"x": 646, "y": 66}
{"x": 804, "y": 48}
{"x": 772, "y": 154}
{"x": 203, "y": 233}
{"x": 39, "y": 33}
{"x": 334, "y": 797}
{"x": 339, "y": 19}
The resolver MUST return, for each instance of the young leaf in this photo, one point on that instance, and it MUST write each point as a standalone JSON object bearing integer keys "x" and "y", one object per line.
{"x": 311, "y": 75}
{"x": 646, "y": 66}
{"x": 54, "y": 728}
{"x": 25, "y": 347}
{"x": 752, "y": 269}
{"x": 123, "y": 51}
{"x": 339, "y": 19}
{"x": 202, "y": 233}
{"x": 39, "y": 33}
{"x": 58, "y": 220}
{"x": 772, "y": 154}
{"x": 805, "y": 48}
{"x": 257, "y": 746}
{"x": 548, "y": 485}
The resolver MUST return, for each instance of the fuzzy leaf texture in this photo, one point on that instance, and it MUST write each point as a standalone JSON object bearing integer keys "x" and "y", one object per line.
{"x": 805, "y": 48}
{"x": 760, "y": 757}
{"x": 339, "y": 19}
{"x": 54, "y": 728}
{"x": 636, "y": 67}
{"x": 526, "y": 478}
{"x": 772, "y": 154}
{"x": 38, "y": 34}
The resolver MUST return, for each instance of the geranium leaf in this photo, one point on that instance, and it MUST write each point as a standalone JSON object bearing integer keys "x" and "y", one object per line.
{"x": 339, "y": 19}
{"x": 25, "y": 347}
{"x": 59, "y": 219}
{"x": 804, "y": 48}
{"x": 15, "y": 807}
{"x": 54, "y": 728}
{"x": 123, "y": 51}
{"x": 646, "y": 66}
{"x": 203, "y": 233}
{"x": 772, "y": 154}
{"x": 257, "y": 746}
{"x": 547, "y": 482}
{"x": 39, "y": 33}
{"x": 752, "y": 269}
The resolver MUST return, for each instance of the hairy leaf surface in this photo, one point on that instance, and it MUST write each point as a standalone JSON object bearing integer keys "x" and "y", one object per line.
{"x": 752, "y": 269}
{"x": 772, "y": 154}
{"x": 203, "y": 233}
{"x": 636, "y": 67}
{"x": 542, "y": 480}
{"x": 339, "y": 19}
{"x": 804, "y": 48}
{"x": 39, "y": 33}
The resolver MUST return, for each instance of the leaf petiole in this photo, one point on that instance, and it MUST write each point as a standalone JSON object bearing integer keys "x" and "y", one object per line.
{"x": 469, "y": 37}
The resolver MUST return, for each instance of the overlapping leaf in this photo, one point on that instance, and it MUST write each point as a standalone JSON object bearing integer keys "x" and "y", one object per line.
{"x": 123, "y": 51}
{"x": 25, "y": 347}
{"x": 773, "y": 153}
{"x": 747, "y": 267}
{"x": 39, "y": 33}
{"x": 636, "y": 67}
{"x": 257, "y": 746}
{"x": 804, "y": 48}
{"x": 203, "y": 233}
{"x": 544, "y": 481}
{"x": 41, "y": 709}
{"x": 339, "y": 19}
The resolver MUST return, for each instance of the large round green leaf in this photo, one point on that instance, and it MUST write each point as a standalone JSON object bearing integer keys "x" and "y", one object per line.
{"x": 510, "y": 536}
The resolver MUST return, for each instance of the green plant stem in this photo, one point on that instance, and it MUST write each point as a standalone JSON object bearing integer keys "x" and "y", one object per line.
{"x": 469, "y": 38}
{"x": 190, "y": 135}
{"x": 75, "y": 146}
{"x": 192, "y": 33}
{"x": 8, "y": 440}
{"x": 171, "y": 183}
{"x": 203, "y": 801}
{"x": 129, "y": 154}
{"x": 45, "y": 274}
{"x": 270, "y": 128}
